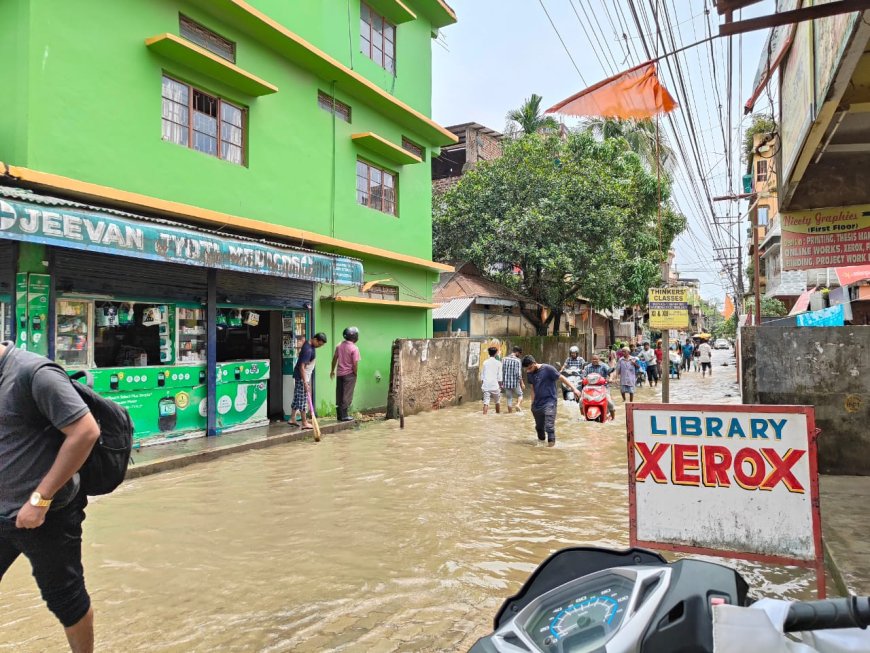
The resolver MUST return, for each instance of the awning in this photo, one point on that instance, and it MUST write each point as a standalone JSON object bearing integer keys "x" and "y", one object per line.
{"x": 453, "y": 309}
{"x": 852, "y": 274}
{"x": 802, "y": 303}
{"x": 31, "y": 217}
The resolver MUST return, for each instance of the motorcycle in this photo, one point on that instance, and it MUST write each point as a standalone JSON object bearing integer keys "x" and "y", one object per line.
{"x": 572, "y": 375}
{"x": 593, "y": 398}
{"x": 596, "y": 600}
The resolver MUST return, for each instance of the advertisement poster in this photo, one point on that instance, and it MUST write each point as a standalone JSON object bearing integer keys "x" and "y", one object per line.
{"x": 830, "y": 36}
{"x": 38, "y": 286}
{"x": 738, "y": 481}
{"x": 669, "y": 308}
{"x": 826, "y": 238}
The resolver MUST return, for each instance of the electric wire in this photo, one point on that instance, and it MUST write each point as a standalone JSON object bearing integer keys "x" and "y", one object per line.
{"x": 562, "y": 41}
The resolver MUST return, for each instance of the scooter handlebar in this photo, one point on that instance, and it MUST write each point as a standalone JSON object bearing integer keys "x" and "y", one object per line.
{"x": 851, "y": 612}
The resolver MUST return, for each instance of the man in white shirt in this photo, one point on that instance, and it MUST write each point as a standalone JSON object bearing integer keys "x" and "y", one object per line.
{"x": 491, "y": 380}
{"x": 648, "y": 355}
{"x": 705, "y": 355}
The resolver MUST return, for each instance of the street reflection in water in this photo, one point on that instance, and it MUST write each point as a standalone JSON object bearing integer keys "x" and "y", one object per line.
{"x": 374, "y": 540}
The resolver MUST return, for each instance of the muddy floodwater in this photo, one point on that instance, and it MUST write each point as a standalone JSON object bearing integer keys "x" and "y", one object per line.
{"x": 373, "y": 540}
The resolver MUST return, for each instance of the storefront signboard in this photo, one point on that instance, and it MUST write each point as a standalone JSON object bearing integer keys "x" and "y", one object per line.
{"x": 110, "y": 234}
{"x": 796, "y": 97}
{"x": 725, "y": 480}
{"x": 826, "y": 238}
{"x": 830, "y": 37}
{"x": 669, "y": 308}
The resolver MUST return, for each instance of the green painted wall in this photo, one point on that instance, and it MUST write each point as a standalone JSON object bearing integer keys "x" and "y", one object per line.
{"x": 14, "y": 55}
{"x": 95, "y": 114}
{"x": 325, "y": 24}
{"x": 88, "y": 106}
{"x": 379, "y": 327}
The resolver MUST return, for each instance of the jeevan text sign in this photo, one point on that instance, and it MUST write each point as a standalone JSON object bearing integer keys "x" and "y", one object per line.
{"x": 727, "y": 480}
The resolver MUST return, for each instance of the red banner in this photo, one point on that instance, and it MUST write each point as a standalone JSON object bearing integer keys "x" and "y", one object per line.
{"x": 853, "y": 274}
{"x": 826, "y": 238}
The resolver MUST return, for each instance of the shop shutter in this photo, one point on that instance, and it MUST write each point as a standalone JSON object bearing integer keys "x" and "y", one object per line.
{"x": 128, "y": 278}
{"x": 241, "y": 288}
{"x": 7, "y": 267}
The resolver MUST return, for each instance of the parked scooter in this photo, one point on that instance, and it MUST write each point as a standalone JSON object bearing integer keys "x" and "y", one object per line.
{"x": 593, "y": 398}
{"x": 595, "y": 600}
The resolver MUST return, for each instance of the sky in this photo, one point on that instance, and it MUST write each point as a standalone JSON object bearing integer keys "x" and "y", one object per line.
{"x": 502, "y": 51}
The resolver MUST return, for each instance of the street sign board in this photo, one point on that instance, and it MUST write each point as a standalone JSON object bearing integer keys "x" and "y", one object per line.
{"x": 669, "y": 308}
{"x": 726, "y": 480}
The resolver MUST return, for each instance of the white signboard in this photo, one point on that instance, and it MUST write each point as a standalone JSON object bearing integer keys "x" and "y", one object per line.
{"x": 735, "y": 481}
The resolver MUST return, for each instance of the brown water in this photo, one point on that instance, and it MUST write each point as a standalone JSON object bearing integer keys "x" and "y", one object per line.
{"x": 374, "y": 540}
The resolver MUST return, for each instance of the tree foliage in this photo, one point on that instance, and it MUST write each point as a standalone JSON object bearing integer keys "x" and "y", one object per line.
{"x": 529, "y": 119}
{"x": 762, "y": 123}
{"x": 640, "y": 137}
{"x": 578, "y": 217}
{"x": 772, "y": 307}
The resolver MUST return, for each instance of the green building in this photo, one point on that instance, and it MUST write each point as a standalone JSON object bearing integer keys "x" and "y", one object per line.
{"x": 189, "y": 186}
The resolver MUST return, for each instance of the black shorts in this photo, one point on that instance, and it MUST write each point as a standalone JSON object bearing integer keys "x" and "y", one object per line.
{"x": 707, "y": 366}
{"x": 55, "y": 553}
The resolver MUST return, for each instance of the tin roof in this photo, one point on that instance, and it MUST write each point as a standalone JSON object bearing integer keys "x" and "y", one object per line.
{"x": 453, "y": 309}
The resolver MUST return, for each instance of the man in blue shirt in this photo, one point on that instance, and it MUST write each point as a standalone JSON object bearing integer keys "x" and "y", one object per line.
{"x": 302, "y": 379}
{"x": 597, "y": 367}
{"x": 543, "y": 379}
{"x": 688, "y": 351}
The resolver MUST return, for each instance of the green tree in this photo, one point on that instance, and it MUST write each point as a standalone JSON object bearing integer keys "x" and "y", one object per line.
{"x": 529, "y": 119}
{"x": 772, "y": 307}
{"x": 640, "y": 137}
{"x": 762, "y": 123}
{"x": 577, "y": 215}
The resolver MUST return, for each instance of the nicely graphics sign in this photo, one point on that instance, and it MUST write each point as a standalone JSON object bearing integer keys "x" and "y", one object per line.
{"x": 826, "y": 238}
{"x": 669, "y": 308}
{"x": 89, "y": 230}
{"x": 732, "y": 480}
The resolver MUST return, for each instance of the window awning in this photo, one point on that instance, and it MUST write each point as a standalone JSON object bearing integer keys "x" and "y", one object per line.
{"x": 31, "y": 217}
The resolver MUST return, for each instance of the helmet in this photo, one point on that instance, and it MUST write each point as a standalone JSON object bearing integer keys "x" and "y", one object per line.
{"x": 574, "y": 350}
{"x": 351, "y": 333}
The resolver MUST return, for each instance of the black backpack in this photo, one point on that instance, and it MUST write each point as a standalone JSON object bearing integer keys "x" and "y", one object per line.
{"x": 106, "y": 465}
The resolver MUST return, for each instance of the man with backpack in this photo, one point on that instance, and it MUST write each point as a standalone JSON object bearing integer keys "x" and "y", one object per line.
{"x": 41, "y": 499}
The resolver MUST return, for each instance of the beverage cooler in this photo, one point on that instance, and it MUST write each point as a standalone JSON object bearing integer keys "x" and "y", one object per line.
{"x": 295, "y": 329}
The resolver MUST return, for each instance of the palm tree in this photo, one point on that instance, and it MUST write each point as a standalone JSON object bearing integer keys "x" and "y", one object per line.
{"x": 529, "y": 119}
{"x": 640, "y": 136}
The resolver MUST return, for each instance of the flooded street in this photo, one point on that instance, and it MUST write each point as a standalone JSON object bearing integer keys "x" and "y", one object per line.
{"x": 373, "y": 540}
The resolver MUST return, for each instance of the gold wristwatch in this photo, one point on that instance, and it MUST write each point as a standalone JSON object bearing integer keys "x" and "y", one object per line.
{"x": 37, "y": 500}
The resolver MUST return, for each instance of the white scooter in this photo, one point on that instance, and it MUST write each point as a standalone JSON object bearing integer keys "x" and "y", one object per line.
{"x": 594, "y": 600}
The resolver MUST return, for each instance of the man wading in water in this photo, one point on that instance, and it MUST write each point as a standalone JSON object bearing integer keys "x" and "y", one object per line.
{"x": 543, "y": 381}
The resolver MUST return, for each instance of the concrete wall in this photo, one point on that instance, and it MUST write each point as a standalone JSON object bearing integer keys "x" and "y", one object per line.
{"x": 822, "y": 367}
{"x": 440, "y": 372}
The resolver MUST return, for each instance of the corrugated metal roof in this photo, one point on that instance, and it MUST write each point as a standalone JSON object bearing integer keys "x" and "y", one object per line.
{"x": 26, "y": 195}
{"x": 453, "y": 309}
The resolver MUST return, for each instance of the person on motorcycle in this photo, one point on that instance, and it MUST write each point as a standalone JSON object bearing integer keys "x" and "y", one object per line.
{"x": 597, "y": 367}
{"x": 572, "y": 367}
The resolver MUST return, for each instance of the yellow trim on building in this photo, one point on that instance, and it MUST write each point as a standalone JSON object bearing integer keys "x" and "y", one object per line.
{"x": 214, "y": 219}
{"x": 340, "y": 67}
{"x": 380, "y": 145}
{"x": 175, "y": 48}
{"x": 379, "y": 302}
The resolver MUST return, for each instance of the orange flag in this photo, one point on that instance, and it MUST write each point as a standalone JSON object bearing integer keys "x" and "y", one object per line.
{"x": 728, "y": 311}
{"x": 636, "y": 93}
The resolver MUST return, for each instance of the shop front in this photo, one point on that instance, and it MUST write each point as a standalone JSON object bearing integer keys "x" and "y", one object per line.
{"x": 192, "y": 332}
